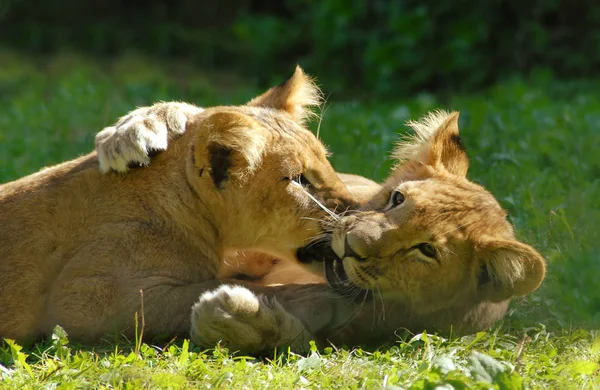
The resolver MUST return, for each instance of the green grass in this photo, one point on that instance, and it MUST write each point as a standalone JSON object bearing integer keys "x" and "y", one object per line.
{"x": 533, "y": 143}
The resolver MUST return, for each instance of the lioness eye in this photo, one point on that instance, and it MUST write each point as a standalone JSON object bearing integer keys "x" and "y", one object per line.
{"x": 427, "y": 250}
{"x": 304, "y": 181}
{"x": 397, "y": 198}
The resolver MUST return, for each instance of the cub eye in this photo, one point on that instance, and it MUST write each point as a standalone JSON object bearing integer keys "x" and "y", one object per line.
{"x": 427, "y": 250}
{"x": 397, "y": 198}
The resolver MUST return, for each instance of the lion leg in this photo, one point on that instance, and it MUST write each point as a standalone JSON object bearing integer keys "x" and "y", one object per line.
{"x": 91, "y": 306}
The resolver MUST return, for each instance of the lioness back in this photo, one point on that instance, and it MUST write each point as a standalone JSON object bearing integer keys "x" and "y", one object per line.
{"x": 53, "y": 215}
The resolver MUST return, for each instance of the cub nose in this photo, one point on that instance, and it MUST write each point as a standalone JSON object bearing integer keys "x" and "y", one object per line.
{"x": 349, "y": 252}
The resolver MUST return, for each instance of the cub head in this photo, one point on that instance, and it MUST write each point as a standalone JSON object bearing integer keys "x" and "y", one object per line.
{"x": 431, "y": 239}
{"x": 260, "y": 171}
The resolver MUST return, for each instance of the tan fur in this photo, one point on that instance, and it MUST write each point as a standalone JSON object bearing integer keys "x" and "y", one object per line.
{"x": 77, "y": 246}
{"x": 478, "y": 268}
{"x": 268, "y": 270}
{"x": 443, "y": 208}
{"x": 305, "y": 94}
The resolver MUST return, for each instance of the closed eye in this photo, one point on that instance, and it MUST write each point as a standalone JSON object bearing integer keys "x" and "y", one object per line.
{"x": 304, "y": 181}
{"x": 300, "y": 179}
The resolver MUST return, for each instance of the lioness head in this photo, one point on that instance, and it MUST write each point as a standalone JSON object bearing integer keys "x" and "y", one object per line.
{"x": 259, "y": 168}
{"x": 431, "y": 239}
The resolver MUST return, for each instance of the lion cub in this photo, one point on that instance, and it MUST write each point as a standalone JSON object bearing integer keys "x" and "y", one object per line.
{"x": 87, "y": 250}
{"x": 429, "y": 250}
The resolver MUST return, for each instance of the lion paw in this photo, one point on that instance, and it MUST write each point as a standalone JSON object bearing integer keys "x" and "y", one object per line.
{"x": 244, "y": 321}
{"x": 141, "y": 132}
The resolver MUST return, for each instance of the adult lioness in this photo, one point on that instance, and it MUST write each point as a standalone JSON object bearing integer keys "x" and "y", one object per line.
{"x": 77, "y": 246}
{"x": 433, "y": 249}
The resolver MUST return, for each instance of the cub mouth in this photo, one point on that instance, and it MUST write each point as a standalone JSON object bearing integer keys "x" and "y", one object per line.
{"x": 335, "y": 274}
{"x": 338, "y": 280}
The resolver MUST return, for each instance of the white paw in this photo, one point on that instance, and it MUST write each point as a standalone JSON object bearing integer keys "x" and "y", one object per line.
{"x": 246, "y": 322}
{"x": 142, "y": 131}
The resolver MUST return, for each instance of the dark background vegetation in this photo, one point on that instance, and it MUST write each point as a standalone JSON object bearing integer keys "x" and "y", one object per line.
{"x": 375, "y": 47}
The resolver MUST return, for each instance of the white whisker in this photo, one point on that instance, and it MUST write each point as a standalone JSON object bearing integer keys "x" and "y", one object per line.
{"x": 324, "y": 109}
{"x": 458, "y": 227}
{"x": 382, "y": 315}
{"x": 299, "y": 186}
{"x": 327, "y": 223}
{"x": 356, "y": 311}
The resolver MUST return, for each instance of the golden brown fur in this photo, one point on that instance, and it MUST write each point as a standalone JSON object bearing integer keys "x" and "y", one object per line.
{"x": 77, "y": 246}
{"x": 440, "y": 256}
{"x": 268, "y": 270}
{"x": 475, "y": 254}
{"x": 464, "y": 286}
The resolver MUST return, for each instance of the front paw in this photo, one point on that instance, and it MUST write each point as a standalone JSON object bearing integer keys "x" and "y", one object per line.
{"x": 141, "y": 132}
{"x": 246, "y": 322}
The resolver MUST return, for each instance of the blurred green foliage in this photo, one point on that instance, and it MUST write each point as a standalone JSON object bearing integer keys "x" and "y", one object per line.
{"x": 377, "y": 47}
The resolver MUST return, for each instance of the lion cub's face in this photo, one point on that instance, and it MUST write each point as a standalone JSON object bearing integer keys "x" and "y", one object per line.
{"x": 433, "y": 239}
{"x": 260, "y": 167}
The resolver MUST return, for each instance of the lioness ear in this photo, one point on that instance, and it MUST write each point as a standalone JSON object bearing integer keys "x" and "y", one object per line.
{"x": 295, "y": 96}
{"x": 509, "y": 268}
{"x": 230, "y": 145}
{"x": 436, "y": 143}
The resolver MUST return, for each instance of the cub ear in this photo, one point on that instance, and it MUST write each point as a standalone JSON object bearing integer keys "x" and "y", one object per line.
{"x": 508, "y": 268}
{"x": 229, "y": 145}
{"x": 446, "y": 148}
{"x": 295, "y": 96}
{"x": 436, "y": 143}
